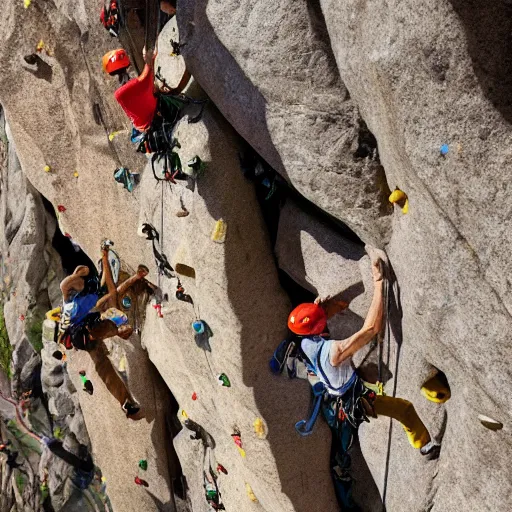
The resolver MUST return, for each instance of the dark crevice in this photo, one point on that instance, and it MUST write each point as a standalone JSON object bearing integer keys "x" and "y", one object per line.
{"x": 366, "y": 143}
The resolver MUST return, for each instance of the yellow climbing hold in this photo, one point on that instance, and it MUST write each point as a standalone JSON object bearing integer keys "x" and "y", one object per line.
{"x": 250, "y": 493}
{"x": 184, "y": 415}
{"x": 436, "y": 390}
{"x": 400, "y": 197}
{"x": 219, "y": 231}
{"x": 26, "y": 3}
{"x": 113, "y": 135}
{"x": 47, "y": 168}
{"x": 241, "y": 451}
{"x": 75, "y": 174}
{"x": 397, "y": 195}
{"x": 259, "y": 428}
{"x": 40, "y": 46}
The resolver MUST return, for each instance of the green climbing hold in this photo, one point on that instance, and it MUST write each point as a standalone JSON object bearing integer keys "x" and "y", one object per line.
{"x": 223, "y": 380}
{"x": 143, "y": 464}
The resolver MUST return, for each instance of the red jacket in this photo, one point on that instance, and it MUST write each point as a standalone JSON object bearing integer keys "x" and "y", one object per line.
{"x": 138, "y": 100}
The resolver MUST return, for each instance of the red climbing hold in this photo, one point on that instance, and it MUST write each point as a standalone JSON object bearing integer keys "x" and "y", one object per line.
{"x": 22, "y": 317}
{"x": 194, "y": 396}
{"x": 221, "y": 469}
{"x": 158, "y": 308}
{"x": 61, "y": 208}
{"x": 139, "y": 481}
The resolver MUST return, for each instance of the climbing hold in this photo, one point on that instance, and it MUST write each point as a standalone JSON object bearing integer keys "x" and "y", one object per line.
{"x": 61, "y": 208}
{"x": 436, "y": 389}
{"x": 259, "y": 428}
{"x": 26, "y": 3}
{"x": 139, "y": 481}
{"x": 444, "y": 149}
{"x": 47, "y": 168}
{"x": 397, "y": 195}
{"x": 126, "y": 302}
{"x": 75, "y": 174}
{"x": 181, "y": 295}
{"x": 183, "y": 213}
{"x": 237, "y": 439}
{"x": 40, "y": 46}
{"x": 194, "y": 396}
{"x": 223, "y": 380}
{"x": 22, "y": 317}
{"x": 219, "y": 231}
{"x": 197, "y": 166}
{"x": 400, "y": 197}
{"x": 198, "y": 326}
{"x": 250, "y": 493}
{"x": 143, "y": 464}
{"x": 158, "y": 308}
{"x": 490, "y": 423}
{"x": 221, "y": 469}
{"x": 113, "y": 135}
{"x": 184, "y": 415}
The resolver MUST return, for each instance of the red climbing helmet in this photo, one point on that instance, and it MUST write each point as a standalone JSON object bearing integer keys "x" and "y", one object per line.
{"x": 115, "y": 61}
{"x": 307, "y": 319}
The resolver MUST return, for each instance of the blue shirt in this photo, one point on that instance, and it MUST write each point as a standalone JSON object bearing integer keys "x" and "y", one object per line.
{"x": 338, "y": 379}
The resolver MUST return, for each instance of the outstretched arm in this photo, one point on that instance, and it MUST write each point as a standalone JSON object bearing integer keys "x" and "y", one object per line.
{"x": 342, "y": 350}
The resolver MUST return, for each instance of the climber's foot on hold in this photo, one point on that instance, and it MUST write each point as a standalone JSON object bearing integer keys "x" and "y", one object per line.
{"x": 431, "y": 450}
{"x": 130, "y": 409}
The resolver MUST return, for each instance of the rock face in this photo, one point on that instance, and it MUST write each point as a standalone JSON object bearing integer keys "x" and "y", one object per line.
{"x": 314, "y": 87}
{"x": 271, "y": 72}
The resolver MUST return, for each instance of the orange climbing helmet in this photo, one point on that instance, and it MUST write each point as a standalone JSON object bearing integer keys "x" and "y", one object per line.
{"x": 115, "y": 61}
{"x": 307, "y": 319}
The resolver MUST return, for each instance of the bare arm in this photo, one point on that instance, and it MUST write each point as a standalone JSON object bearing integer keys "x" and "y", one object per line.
{"x": 342, "y": 350}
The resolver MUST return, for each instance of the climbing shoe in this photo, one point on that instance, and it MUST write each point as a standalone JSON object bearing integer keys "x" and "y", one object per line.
{"x": 130, "y": 409}
{"x": 414, "y": 440}
{"x": 431, "y": 450}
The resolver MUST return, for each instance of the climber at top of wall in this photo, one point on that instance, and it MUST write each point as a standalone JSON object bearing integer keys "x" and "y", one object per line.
{"x": 346, "y": 401}
{"x": 138, "y": 97}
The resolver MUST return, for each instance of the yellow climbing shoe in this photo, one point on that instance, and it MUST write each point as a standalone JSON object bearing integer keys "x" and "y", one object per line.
{"x": 415, "y": 440}
{"x": 436, "y": 389}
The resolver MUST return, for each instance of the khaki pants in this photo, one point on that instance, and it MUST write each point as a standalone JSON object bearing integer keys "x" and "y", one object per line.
{"x": 404, "y": 412}
{"x": 108, "y": 373}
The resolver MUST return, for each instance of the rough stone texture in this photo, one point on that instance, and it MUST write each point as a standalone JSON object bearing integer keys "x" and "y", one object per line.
{"x": 425, "y": 75}
{"x": 231, "y": 281}
{"x": 271, "y": 72}
{"x": 420, "y": 76}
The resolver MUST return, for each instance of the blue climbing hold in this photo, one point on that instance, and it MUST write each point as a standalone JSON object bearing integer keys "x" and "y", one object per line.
{"x": 444, "y": 149}
{"x": 198, "y": 326}
{"x": 126, "y": 302}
